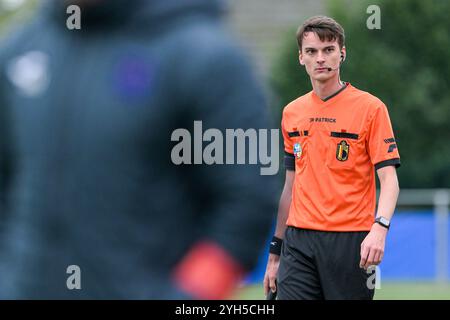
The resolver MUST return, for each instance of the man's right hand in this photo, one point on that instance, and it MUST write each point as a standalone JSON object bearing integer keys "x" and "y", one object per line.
{"x": 271, "y": 273}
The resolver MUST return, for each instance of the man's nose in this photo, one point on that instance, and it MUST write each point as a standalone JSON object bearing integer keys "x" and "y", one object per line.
{"x": 320, "y": 57}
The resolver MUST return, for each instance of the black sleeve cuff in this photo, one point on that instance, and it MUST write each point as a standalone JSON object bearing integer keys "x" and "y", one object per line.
{"x": 289, "y": 161}
{"x": 391, "y": 162}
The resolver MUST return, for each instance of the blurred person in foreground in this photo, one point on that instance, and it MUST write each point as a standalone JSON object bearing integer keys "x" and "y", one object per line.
{"x": 87, "y": 177}
{"x": 335, "y": 137}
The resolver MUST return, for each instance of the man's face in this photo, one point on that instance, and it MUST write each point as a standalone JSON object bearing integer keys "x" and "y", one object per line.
{"x": 317, "y": 56}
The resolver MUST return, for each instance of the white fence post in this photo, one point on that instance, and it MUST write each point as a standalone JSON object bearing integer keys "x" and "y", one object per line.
{"x": 441, "y": 204}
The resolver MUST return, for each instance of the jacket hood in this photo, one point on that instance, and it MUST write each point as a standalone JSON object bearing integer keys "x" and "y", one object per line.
{"x": 107, "y": 13}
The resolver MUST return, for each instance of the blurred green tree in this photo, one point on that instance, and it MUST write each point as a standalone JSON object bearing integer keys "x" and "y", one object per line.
{"x": 15, "y": 12}
{"x": 406, "y": 65}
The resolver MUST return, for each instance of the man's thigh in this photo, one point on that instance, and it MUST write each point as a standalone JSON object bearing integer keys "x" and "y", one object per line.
{"x": 338, "y": 256}
{"x": 297, "y": 274}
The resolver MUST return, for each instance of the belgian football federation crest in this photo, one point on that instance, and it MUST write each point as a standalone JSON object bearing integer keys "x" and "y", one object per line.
{"x": 297, "y": 150}
{"x": 343, "y": 148}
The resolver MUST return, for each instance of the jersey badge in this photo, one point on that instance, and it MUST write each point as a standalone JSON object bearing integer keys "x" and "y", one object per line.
{"x": 297, "y": 150}
{"x": 342, "y": 151}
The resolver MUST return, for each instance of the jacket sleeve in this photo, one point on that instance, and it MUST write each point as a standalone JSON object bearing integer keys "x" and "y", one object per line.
{"x": 5, "y": 163}
{"x": 239, "y": 203}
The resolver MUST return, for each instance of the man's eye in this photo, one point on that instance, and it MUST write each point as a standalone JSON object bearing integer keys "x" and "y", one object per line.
{"x": 330, "y": 49}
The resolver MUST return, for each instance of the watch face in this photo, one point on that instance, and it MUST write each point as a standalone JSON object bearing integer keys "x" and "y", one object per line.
{"x": 385, "y": 221}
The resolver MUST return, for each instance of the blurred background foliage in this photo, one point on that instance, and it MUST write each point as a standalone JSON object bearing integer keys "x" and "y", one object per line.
{"x": 13, "y": 12}
{"x": 406, "y": 65}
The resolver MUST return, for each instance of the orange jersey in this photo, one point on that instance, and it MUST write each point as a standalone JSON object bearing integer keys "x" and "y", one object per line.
{"x": 336, "y": 145}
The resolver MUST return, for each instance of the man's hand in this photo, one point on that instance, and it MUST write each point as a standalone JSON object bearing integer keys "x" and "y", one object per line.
{"x": 372, "y": 248}
{"x": 271, "y": 273}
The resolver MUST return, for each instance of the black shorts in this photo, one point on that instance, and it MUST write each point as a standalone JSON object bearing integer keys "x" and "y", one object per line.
{"x": 316, "y": 265}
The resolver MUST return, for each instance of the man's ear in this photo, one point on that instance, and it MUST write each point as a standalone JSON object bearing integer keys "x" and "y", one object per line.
{"x": 300, "y": 58}
{"x": 344, "y": 53}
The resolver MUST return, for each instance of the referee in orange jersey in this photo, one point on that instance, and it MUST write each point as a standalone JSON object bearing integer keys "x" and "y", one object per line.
{"x": 336, "y": 137}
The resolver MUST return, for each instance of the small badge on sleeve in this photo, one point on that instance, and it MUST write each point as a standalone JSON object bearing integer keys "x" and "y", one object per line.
{"x": 297, "y": 150}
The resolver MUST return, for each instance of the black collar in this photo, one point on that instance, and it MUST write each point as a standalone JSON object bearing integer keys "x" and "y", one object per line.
{"x": 336, "y": 93}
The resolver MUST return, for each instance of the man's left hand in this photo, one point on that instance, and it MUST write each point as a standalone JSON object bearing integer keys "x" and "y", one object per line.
{"x": 372, "y": 248}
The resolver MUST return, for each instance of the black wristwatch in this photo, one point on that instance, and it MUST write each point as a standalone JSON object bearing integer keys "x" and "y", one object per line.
{"x": 383, "y": 222}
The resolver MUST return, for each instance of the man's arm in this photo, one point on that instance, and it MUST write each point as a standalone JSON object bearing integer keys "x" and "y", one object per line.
{"x": 389, "y": 190}
{"x": 283, "y": 212}
{"x": 284, "y": 204}
{"x": 372, "y": 248}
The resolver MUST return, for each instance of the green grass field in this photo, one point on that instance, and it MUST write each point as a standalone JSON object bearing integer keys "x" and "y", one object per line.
{"x": 388, "y": 291}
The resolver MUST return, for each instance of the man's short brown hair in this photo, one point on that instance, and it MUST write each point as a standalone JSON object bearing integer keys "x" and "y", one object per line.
{"x": 326, "y": 28}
